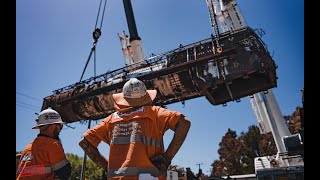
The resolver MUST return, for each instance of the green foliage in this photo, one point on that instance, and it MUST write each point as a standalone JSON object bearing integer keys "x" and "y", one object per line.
{"x": 92, "y": 172}
{"x": 250, "y": 141}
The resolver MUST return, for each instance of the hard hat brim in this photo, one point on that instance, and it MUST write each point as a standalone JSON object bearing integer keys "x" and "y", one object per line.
{"x": 121, "y": 101}
{"x": 38, "y": 126}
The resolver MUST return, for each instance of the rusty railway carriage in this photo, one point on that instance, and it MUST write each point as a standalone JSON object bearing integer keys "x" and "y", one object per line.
{"x": 225, "y": 68}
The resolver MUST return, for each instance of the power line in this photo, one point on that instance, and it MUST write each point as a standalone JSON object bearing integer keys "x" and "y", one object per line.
{"x": 27, "y": 104}
{"x": 27, "y": 107}
{"x": 28, "y": 96}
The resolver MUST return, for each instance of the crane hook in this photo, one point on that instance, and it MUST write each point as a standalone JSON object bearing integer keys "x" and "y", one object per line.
{"x": 96, "y": 34}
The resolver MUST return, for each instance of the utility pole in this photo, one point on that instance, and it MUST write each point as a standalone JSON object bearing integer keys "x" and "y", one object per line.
{"x": 199, "y": 165}
{"x": 199, "y": 171}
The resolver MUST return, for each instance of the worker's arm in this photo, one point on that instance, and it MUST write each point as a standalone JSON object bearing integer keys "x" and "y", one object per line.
{"x": 163, "y": 161}
{"x": 180, "y": 134}
{"x": 94, "y": 154}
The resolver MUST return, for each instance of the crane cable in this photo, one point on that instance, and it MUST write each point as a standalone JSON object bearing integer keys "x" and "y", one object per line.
{"x": 96, "y": 34}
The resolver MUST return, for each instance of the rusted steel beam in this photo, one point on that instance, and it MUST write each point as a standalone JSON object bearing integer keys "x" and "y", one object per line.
{"x": 242, "y": 67}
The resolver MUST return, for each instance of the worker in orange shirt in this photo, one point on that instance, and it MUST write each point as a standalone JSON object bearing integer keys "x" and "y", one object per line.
{"x": 44, "y": 158}
{"x": 135, "y": 135}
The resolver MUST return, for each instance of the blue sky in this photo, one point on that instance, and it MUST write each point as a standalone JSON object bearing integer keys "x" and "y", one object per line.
{"x": 54, "y": 39}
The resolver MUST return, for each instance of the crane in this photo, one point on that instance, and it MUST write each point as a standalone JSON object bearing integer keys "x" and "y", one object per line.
{"x": 225, "y": 16}
{"x": 233, "y": 63}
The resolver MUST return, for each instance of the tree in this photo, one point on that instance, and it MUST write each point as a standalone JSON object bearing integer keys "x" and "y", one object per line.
{"x": 93, "y": 172}
{"x": 217, "y": 168}
{"x": 236, "y": 154}
{"x": 250, "y": 141}
{"x": 294, "y": 121}
{"x": 230, "y": 154}
{"x": 267, "y": 145}
{"x": 190, "y": 175}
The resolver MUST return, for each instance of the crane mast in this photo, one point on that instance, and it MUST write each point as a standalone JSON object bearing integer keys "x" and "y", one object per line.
{"x": 135, "y": 40}
{"x": 225, "y": 16}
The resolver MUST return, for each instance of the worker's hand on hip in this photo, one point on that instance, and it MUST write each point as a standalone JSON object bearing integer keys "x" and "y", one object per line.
{"x": 161, "y": 161}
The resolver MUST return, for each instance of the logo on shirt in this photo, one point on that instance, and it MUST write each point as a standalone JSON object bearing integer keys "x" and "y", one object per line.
{"x": 31, "y": 170}
{"x": 126, "y": 128}
{"x": 123, "y": 114}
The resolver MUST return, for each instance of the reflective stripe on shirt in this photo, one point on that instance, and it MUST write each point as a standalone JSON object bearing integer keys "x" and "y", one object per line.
{"x": 137, "y": 138}
{"x": 59, "y": 164}
{"x": 135, "y": 171}
{"x": 40, "y": 169}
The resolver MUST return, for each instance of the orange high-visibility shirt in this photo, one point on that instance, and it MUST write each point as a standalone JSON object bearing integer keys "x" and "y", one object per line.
{"x": 134, "y": 138}
{"x": 40, "y": 159}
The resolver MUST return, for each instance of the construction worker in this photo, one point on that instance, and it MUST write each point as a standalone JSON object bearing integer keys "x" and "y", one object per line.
{"x": 135, "y": 135}
{"x": 44, "y": 158}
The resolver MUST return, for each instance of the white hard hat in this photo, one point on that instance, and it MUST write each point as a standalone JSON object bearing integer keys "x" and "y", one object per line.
{"x": 134, "y": 94}
{"x": 48, "y": 116}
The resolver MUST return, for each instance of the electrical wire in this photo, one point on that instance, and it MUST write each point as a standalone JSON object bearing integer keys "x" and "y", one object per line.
{"x": 27, "y": 104}
{"x": 28, "y": 96}
{"x": 27, "y": 107}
